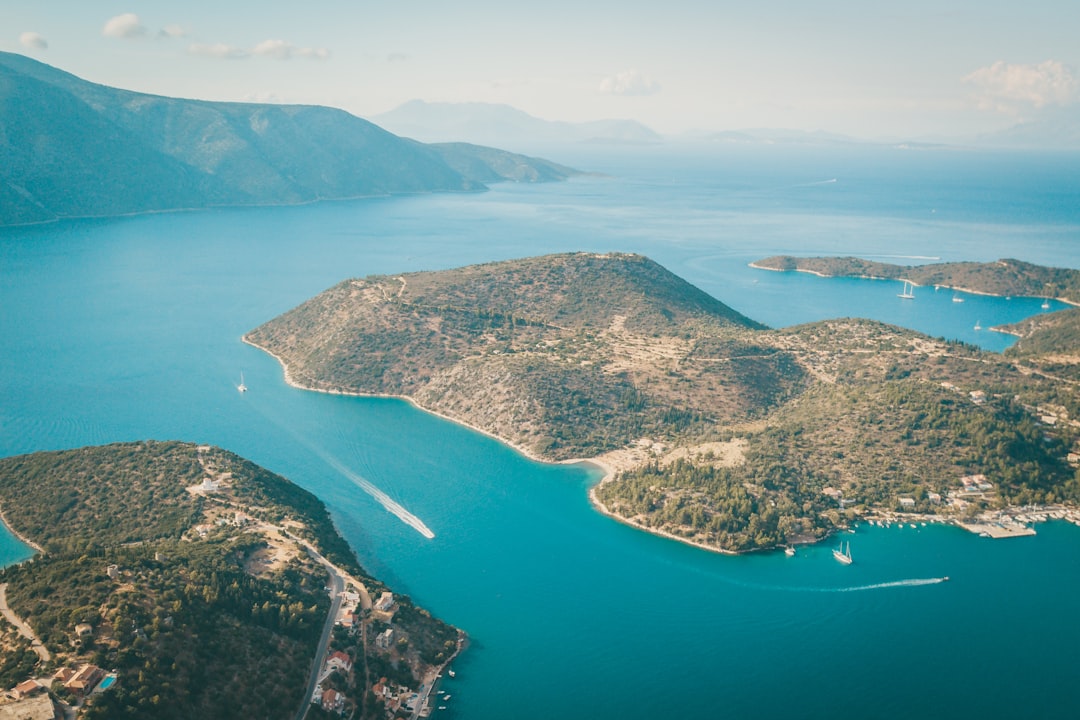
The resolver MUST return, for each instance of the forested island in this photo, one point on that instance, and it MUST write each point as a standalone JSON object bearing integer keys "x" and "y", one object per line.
{"x": 714, "y": 429}
{"x": 1006, "y": 277}
{"x": 179, "y": 581}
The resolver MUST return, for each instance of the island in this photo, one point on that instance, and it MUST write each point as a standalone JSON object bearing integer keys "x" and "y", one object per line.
{"x": 712, "y": 429}
{"x": 174, "y": 580}
{"x": 1006, "y": 277}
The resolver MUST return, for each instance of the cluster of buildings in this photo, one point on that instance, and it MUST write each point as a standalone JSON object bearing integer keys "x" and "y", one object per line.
{"x": 30, "y": 699}
{"x": 330, "y": 699}
{"x": 80, "y": 680}
{"x": 395, "y": 697}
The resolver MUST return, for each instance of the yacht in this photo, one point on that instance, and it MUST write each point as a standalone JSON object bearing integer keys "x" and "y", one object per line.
{"x": 843, "y": 554}
{"x": 909, "y": 291}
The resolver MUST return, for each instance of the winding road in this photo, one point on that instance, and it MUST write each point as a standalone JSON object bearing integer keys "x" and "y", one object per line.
{"x": 25, "y": 630}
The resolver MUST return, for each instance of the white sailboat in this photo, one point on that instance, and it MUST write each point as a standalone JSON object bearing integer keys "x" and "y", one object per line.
{"x": 242, "y": 387}
{"x": 957, "y": 298}
{"x": 978, "y": 325}
{"x": 909, "y": 291}
{"x": 1046, "y": 305}
{"x": 843, "y": 554}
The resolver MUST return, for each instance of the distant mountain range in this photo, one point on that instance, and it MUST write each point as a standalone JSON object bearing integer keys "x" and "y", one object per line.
{"x": 1055, "y": 129}
{"x": 71, "y": 148}
{"x": 504, "y": 126}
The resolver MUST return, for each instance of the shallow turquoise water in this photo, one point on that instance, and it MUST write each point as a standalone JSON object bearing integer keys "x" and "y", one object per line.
{"x": 129, "y": 328}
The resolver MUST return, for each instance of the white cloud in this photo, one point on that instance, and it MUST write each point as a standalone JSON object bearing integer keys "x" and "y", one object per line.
{"x": 124, "y": 26}
{"x": 174, "y": 31}
{"x": 629, "y": 82}
{"x": 282, "y": 50}
{"x": 220, "y": 51}
{"x": 1007, "y": 88}
{"x": 33, "y": 41}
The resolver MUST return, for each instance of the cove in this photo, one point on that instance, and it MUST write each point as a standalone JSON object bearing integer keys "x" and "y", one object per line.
{"x": 129, "y": 328}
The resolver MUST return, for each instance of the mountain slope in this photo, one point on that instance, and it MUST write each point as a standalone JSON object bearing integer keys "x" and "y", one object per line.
{"x": 71, "y": 148}
{"x": 519, "y": 347}
{"x": 723, "y": 433}
{"x": 503, "y": 125}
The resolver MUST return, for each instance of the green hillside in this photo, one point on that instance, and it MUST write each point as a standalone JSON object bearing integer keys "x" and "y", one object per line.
{"x": 724, "y": 433}
{"x": 200, "y": 601}
{"x": 1004, "y": 277}
{"x": 71, "y": 148}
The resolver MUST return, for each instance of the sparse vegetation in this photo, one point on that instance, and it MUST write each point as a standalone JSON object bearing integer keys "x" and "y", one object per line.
{"x": 579, "y": 355}
{"x": 1005, "y": 277}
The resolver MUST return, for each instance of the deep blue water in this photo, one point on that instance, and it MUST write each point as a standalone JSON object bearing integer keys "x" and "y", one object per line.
{"x": 129, "y": 328}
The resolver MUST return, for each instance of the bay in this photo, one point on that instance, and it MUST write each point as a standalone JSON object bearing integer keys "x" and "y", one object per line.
{"x": 129, "y": 328}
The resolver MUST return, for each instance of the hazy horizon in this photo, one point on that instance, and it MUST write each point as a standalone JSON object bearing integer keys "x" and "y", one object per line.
{"x": 912, "y": 72}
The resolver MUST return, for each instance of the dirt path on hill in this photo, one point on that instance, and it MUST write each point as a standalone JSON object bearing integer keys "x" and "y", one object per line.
{"x": 25, "y": 630}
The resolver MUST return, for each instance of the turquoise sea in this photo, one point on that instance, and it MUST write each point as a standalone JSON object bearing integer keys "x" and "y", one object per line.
{"x": 130, "y": 328}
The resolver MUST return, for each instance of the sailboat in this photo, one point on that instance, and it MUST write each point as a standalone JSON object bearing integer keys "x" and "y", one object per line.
{"x": 843, "y": 555}
{"x": 978, "y": 325}
{"x": 909, "y": 291}
{"x": 957, "y": 298}
{"x": 242, "y": 387}
{"x": 1046, "y": 305}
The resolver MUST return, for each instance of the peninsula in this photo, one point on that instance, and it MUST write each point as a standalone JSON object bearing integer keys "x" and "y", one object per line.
{"x": 179, "y": 581}
{"x": 714, "y": 430}
{"x": 1007, "y": 278}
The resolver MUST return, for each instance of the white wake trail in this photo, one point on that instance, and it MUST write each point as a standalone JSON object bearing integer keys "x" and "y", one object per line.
{"x": 914, "y": 582}
{"x": 394, "y": 508}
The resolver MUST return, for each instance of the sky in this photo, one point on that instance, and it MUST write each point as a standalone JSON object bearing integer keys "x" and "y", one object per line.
{"x": 918, "y": 69}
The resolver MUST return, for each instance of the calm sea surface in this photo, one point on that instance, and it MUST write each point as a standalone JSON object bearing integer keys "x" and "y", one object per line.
{"x": 129, "y": 328}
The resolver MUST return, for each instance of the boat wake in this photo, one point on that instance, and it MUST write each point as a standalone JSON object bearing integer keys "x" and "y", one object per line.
{"x": 914, "y": 582}
{"x": 393, "y": 507}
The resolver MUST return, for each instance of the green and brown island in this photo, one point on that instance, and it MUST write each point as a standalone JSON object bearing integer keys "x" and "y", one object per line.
{"x": 1006, "y": 277}
{"x": 714, "y": 429}
{"x": 180, "y": 581}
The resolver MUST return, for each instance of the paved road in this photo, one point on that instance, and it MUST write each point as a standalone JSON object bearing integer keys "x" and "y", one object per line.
{"x": 25, "y": 630}
{"x": 337, "y": 586}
